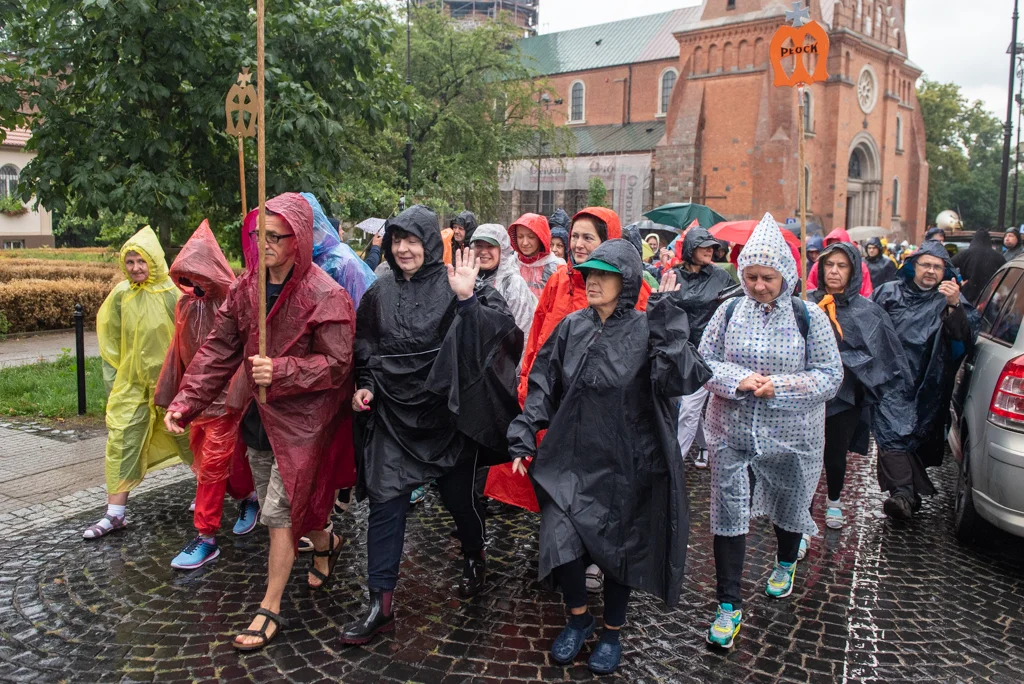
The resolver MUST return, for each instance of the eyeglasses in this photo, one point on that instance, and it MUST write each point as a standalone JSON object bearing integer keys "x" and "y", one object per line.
{"x": 272, "y": 238}
{"x": 938, "y": 268}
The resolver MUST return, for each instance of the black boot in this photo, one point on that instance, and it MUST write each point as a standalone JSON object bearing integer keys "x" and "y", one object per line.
{"x": 378, "y": 619}
{"x": 899, "y": 506}
{"x": 472, "y": 582}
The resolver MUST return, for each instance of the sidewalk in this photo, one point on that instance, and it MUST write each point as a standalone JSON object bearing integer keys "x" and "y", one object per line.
{"x": 22, "y": 350}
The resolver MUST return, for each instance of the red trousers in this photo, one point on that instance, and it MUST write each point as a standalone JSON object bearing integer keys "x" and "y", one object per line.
{"x": 220, "y": 467}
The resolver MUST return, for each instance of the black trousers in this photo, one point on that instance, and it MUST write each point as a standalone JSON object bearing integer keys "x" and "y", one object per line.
{"x": 386, "y": 534}
{"x": 573, "y": 578}
{"x": 839, "y": 433}
{"x": 730, "y": 553}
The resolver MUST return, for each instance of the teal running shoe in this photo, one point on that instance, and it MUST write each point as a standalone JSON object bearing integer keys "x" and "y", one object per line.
{"x": 418, "y": 495}
{"x": 196, "y": 554}
{"x": 780, "y": 582}
{"x": 725, "y": 627}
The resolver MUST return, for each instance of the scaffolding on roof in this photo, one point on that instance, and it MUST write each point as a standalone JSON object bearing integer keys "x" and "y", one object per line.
{"x": 523, "y": 13}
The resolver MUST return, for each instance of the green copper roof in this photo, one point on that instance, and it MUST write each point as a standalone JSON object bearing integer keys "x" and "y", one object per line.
{"x": 615, "y": 138}
{"x": 640, "y": 39}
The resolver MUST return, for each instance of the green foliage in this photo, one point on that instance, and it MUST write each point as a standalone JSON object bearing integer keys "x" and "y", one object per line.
{"x": 50, "y": 389}
{"x": 597, "y": 193}
{"x": 11, "y": 205}
{"x": 5, "y": 325}
{"x": 964, "y": 150}
{"x": 106, "y": 229}
{"x": 128, "y": 100}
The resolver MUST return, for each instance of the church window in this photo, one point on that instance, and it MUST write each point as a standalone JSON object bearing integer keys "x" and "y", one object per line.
{"x": 577, "y": 94}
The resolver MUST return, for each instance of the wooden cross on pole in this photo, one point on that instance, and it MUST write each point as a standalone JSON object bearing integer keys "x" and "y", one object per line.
{"x": 242, "y": 101}
{"x": 790, "y": 40}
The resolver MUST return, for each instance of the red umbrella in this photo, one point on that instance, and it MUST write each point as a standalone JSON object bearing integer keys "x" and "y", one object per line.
{"x": 738, "y": 232}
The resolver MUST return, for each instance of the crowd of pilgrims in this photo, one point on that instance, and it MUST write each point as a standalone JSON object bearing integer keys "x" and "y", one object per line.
{"x": 562, "y": 365}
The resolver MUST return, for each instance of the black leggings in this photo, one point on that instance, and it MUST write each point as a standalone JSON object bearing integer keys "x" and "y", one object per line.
{"x": 839, "y": 432}
{"x": 573, "y": 578}
{"x": 730, "y": 552}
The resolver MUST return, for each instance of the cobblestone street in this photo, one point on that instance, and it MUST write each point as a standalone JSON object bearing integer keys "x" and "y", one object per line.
{"x": 874, "y": 602}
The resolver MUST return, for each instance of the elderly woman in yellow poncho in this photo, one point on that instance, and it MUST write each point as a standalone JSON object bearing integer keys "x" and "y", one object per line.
{"x": 135, "y": 326}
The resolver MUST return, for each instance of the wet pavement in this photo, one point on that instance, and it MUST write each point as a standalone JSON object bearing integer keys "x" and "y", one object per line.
{"x": 875, "y": 602}
{"x": 19, "y": 349}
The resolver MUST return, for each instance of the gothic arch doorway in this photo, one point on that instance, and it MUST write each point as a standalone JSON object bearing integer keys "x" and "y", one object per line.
{"x": 863, "y": 182}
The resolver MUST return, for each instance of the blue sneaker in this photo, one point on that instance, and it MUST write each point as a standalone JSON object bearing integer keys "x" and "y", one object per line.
{"x": 248, "y": 513}
{"x": 568, "y": 644}
{"x": 418, "y": 495}
{"x": 780, "y": 582}
{"x": 725, "y": 627}
{"x": 605, "y": 658}
{"x": 196, "y": 554}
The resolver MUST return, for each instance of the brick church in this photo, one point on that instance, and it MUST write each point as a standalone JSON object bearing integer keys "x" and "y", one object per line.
{"x": 680, "y": 106}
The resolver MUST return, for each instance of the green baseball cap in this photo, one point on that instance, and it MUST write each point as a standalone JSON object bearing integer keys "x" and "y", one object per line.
{"x": 599, "y": 265}
{"x": 483, "y": 238}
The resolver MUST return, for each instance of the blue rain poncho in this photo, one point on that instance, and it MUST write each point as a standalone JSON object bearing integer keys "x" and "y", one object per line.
{"x": 781, "y": 439}
{"x": 335, "y": 257}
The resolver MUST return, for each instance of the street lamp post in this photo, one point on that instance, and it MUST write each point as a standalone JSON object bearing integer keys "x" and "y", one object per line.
{"x": 408, "y": 85}
{"x": 1008, "y": 127}
{"x": 1016, "y": 161}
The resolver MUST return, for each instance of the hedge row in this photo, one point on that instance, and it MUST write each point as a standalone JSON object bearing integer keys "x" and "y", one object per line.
{"x": 37, "y": 269}
{"x": 90, "y": 254}
{"x": 31, "y": 305}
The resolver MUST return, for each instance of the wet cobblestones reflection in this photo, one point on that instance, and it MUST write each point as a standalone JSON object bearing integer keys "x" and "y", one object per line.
{"x": 873, "y": 602}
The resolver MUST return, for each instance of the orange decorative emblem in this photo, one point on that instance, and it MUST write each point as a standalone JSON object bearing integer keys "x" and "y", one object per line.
{"x": 797, "y": 36}
{"x": 241, "y": 107}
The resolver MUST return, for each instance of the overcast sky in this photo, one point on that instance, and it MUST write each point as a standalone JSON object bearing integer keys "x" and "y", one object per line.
{"x": 963, "y": 41}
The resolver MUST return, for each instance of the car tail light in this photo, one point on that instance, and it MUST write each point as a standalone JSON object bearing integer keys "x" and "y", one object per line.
{"x": 1007, "y": 406}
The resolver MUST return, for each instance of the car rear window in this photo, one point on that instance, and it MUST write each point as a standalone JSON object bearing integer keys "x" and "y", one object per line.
{"x": 994, "y": 297}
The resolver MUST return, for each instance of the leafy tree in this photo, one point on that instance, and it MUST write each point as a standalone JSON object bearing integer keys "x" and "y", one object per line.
{"x": 597, "y": 193}
{"x": 127, "y": 101}
{"x": 964, "y": 150}
{"x": 477, "y": 111}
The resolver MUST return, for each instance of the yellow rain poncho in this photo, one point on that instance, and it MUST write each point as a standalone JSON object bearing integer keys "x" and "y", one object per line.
{"x": 135, "y": 326}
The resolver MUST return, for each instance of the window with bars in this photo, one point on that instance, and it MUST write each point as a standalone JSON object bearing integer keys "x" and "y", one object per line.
{"x": 668, "y": 83}
{"x": 577, "y": 95}
{"x": 8, "y": 180}
{"x": 574, "y": 201}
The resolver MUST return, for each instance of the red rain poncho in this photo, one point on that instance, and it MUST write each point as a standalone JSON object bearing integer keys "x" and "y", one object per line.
{"x": 565, "y": 292}
{"x": 213, "y": 436}
{"x": 538, "y": 268}
{"x": 840, "y": 235}
{"x": 309, "y": 337}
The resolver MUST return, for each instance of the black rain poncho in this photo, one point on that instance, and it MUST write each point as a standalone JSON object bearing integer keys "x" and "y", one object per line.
{"x": 442, "y": 372}
{"x": 934, "y": 339}
{"x": 977, "y": 263}
{"x": 881, "y": 268}
{"x": 701, "y": 293}
{"x": 608, "y": 475}
{"x": 875, "y": 368}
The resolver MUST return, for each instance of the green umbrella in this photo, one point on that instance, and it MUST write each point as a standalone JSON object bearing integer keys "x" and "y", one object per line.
{"x": 682, "y": 214}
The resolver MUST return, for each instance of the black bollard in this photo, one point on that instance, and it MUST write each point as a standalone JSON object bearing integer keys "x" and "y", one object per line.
{"x": 80, "y": 356}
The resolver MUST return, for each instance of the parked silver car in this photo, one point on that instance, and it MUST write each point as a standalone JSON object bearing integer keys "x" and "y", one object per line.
{"x": 987, "y": 433}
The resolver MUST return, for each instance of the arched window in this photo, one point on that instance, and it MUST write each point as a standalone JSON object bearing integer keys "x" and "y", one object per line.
{"x": 668, "y": 83}
{"x": 746, "y": 55}
{"x": 577, "y": 95}
{"x": 699, "y": 62}
{"x": 808, "y": 112}
{"x": 866, "y": 29}
{"x": 729, "y": 61}
{"x": 899, "y": 133}
{"x": 8, "y": 180}
{"x": 895, "y": 197}
{"x": 853, "y": 170}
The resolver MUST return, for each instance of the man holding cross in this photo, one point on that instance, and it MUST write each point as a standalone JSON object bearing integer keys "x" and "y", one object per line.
{"x": 307, "y": 374}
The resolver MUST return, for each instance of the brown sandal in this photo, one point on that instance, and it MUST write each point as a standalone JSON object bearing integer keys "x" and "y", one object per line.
{"x": 261, "y": 632}
{"x": 331, "y": 554}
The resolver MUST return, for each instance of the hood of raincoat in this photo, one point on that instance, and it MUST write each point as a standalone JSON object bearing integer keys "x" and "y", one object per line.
{"x": 928, "y": 248}
{"x": 767, "y": 247}
{"x": 837, "y": 235}
{"x": 852, "y": 288}
{"x": 933, "y": 231}
{"x": 146, "y": 244}
{"x": 539, "y": 226}
{"x": 506, "y": 279}
{"x": 631, "y": 234}
{"x": 559, "y": 219}
{"x": 623, "y": 256}
{"x": 202, "y": 263}
{"x": 876, "y": 242}
{"x": 296, "y": 212}
{"x": 335, "y": 257}
{"x": 467, "y": 220}
{"x": 694, "y": 237}
{"x": 563, "y": 235}
{"x": 977, "y": 264}
{"x": 815, "y": 243}
{"x": 420, "y": 221}
{"x": 609, "y": 217}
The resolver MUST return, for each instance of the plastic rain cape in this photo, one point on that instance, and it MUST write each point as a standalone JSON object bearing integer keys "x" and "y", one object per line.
{"x": 135, "y": 326}
{"x": 781, "y": 439}
{"x": 506, "y": 279}
{"x": 608, "y": 475}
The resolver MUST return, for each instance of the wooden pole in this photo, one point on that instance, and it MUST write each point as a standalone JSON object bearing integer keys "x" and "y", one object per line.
{"x": 801, "y": 191}
{"x": 241, "y": 171}
{"x": 261, "y": 184}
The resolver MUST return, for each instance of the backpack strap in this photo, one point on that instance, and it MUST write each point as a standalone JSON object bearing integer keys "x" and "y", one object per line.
{"x": 803, "y": 317}
{"x": 730, "y": 308}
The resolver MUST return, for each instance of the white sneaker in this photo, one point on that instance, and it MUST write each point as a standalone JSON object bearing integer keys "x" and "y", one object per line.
{"x": 805, "y": 542}
{"x": 701, "y": 459}
{"x": 834, "y": 519}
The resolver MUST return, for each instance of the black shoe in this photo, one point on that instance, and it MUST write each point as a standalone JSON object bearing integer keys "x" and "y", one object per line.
{"x": 379, "y": 618}
{"x": 472, "y": 582}
{"x": 899, "y": 507}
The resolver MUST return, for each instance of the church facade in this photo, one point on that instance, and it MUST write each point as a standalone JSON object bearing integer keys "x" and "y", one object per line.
{"x": 687, "y": 97}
